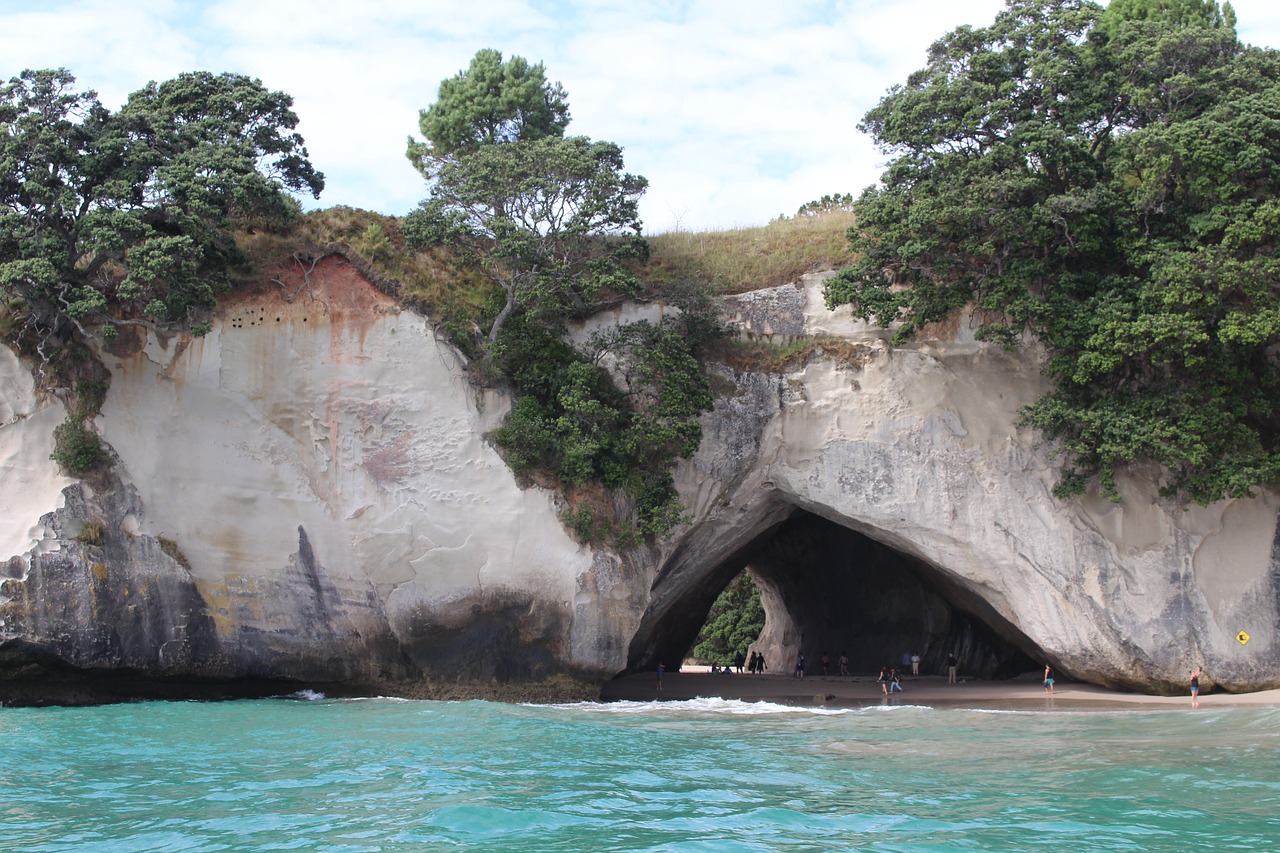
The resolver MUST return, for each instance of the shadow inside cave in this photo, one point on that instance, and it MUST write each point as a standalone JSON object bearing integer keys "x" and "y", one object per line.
{"x": 828, "y": 588}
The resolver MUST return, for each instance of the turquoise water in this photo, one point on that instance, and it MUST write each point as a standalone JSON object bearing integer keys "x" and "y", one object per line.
{"x": 380, "y": 775}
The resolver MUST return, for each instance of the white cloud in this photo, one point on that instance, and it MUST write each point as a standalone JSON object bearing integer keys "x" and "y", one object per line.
{"x": 735, "y": 111}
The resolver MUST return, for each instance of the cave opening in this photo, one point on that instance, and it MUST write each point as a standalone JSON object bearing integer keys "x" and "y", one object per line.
{"x": 827, "y": 588}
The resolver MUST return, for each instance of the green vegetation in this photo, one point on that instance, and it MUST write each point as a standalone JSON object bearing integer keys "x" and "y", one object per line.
{"x": 1180, "y": 13}
{"x": 76, "y": 447}
{"x": 125, "y": 217}
{"x": 1106, "y": 182}
{"x": 552, "y": 222}
{"x": 493, "y": 102}
{"x": 734, "y": 623}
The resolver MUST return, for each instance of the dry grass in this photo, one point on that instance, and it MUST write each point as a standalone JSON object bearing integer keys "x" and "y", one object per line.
{"x": 174, "y": 552}
{"x": 93, "y": 532}
{"x": 745, "y": 259}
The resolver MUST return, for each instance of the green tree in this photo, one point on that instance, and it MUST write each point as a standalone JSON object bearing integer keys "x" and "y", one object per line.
{"x": 552, "y": 221}
{"x": 1113, "y": 192}
{"x": 734, "y": 622}
{"x": 493, "y": 101}
{"x": 125, "y": 217}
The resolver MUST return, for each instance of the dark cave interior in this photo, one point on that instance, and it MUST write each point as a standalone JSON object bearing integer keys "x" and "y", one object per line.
{"x": 828, "y": 588}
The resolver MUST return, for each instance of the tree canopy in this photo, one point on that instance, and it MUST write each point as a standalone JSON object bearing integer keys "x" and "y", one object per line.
{"x": 125, "y": 217}
{"x": 492, "y": 101}
{"x": 551, "y": 220}
{"x": 1111, "y": 190}
{"x": 1182, "y": 13}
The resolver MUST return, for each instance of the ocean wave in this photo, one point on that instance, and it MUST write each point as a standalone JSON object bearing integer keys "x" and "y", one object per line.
{"x": 703, "y": 705}
{"x": 307, "y": 696}
{"x": 896, "y": 708}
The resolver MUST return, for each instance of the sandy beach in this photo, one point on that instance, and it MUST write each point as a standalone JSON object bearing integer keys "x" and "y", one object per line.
{"x": 1026, "y": 692}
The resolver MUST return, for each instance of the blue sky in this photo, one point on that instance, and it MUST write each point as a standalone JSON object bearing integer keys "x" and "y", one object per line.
{"x": 736, "y": 111}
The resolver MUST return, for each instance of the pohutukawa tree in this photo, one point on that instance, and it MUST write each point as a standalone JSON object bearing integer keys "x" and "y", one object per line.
{"x": 1108, "y": 182}
{"x": 109, "y": 218}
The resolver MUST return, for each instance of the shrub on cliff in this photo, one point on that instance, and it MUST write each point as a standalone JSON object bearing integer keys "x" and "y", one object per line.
{"x": 1109, "y": 183}
{"x": 77, "y": 449}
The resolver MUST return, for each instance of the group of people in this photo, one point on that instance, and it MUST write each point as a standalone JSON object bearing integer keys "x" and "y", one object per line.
{"x": 825, "y": 661}
{"x": 911, "y": 659}
{"x": 754, "y": 663}
{"x": 890, "y": 680}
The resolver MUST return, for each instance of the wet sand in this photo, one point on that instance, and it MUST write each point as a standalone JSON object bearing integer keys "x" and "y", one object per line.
{"x": 1025, "y": 692}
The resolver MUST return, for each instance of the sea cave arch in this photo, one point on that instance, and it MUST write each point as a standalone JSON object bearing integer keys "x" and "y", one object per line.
{"x": 827, "y": 587}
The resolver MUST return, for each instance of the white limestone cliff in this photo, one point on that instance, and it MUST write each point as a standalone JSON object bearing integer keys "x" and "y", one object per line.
{"x": 322, "y": 467}
{"x": 30, "y": 483}
{"x": 307, "y": 492}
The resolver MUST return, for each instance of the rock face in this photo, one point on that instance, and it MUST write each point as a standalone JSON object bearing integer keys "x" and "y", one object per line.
{"x": 318, "y": 472}
{"x": 307, "y": 494}
{"x": 919, "y": 450}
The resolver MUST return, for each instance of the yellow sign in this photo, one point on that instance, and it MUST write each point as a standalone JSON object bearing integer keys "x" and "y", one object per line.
{"x": 1242, "y": 638}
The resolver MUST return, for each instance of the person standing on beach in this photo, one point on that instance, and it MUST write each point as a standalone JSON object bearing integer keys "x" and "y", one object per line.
{"x": 800, "y": 666}
{"x": 661, "y": 669}
{"x": 844, "y": 664}
{"x": 915, "y": 663}
{"x": 826, "y": 662}
{"x": 1048, "y": 679}
{"x": 951, "y": 669}
{"x": 1195, "y": 687}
